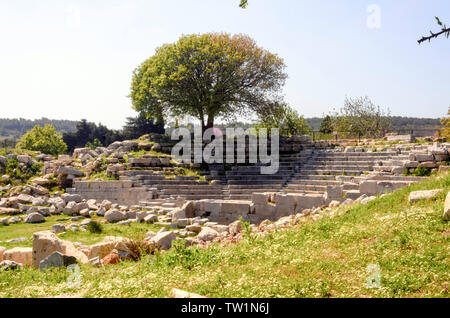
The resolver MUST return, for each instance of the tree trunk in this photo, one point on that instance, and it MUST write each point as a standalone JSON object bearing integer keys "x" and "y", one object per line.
{"x": 209, "y": 124}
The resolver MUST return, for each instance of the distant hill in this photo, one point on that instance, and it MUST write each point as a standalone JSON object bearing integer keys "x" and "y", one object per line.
{"x": 15, "y": 128}
{"x": 398, "y": 123}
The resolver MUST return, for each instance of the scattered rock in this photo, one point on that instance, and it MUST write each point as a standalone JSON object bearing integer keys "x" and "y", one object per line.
{"x": 235, "y": 227}
{"x": 46, "y": 242}
{"x": 207, "y": 234}
{"x": 35, "y": 218}
{"x": 422, "y": 195}
{"x": 21, "y": 255}
{"x": 56, "y": 228}
{"x": 9, "y": 265}
{"x": 163, "y": 240}
{"x": 447, "y": 208}
{"x": 57, "y": 260}
{"x": 111, "y": 259}
{"x": 113, "y": 216}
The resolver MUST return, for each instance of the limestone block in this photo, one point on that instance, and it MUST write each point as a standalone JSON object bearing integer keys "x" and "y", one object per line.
{"x": 422, "y": 195}
{"x": 368, "y": 187}
{"x": 260, "y": 198}
{"x": 423, "y": 157}
{"x": 21, "y": 255}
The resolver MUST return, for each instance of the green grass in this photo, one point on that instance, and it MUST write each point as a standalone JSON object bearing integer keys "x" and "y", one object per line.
{"x": 326, "y": 258}
{"x": 134, "y": 230}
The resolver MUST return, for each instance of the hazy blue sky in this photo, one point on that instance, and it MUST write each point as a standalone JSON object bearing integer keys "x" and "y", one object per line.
{"x": 74, "y": 59}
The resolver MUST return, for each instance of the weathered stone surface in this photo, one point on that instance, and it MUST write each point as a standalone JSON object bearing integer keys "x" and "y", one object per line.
{"x": 163, "y": 240}
{"x": 207, "y": 234}
{"x": 25, "y": 198}
{"x": 101, "y": 249}
{"x": 178, "y": 214}
{"x": 9, "y": 265}
{"x": 106, "y": 204}
{"x": 114, "y": 216}
{"x": 20, "y": 255}
{"x": 67, "y": 197}
{"x": 56, "y": 228}
{"x": 111, "y": 259}
{"x": 70, "y": 171}
{"x": 9, "y": 211}
{"x": 2, "y": 251}
{"x": 57, "y": 260}
{"x": 423, "y": 157}
{"x": 429, "y": 164}
{"x": 235, "y": 227}
{"x": 46, "y": 242}
{"x": 189, "y": 209}
{"x": 421, "y": 195}
{"x": 309, "y": 201}
{"x": 101, "y": 211}
{"x": 194, "y": 228}
{"x": 34, "y": 218}
{"x": 178, "y": 293}
{"x": 447, "y": 207}
{"x": 260, "y": 198}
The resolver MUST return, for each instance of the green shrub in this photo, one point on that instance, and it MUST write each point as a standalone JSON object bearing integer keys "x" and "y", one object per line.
{"x": 45, "y": 140}
{"x": 421, "y": 172}
{"x": 96, "y": 143}
{"x": 95, "y": 227}
{"x": 15, "y": 171}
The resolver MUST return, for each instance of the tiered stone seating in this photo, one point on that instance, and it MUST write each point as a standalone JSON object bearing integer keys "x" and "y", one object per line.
{"x": 185, "y": 186}
{"x": 329, "y": 168}
{"x": 242, "y": 180}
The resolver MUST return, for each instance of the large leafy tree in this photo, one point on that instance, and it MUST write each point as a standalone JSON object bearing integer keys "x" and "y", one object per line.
{"x": 208, "y": 76}
{"x": 44, "y": 139}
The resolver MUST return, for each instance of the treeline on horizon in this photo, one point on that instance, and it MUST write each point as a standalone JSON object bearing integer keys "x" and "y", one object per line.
{"x": 80, "y": 133}
{"x": 398, "y": 123}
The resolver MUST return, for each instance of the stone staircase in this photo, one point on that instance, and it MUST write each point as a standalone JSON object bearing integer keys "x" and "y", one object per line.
{"x": 327, "y": 168}
{"x": 243, "y": 180}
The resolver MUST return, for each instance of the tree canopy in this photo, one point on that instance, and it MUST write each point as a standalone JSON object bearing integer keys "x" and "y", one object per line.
{"x": 207, "y": 76}
{"x": 283, "y": 117}
{"x": 361, "y": 117}
{"x": 44, "y": 139}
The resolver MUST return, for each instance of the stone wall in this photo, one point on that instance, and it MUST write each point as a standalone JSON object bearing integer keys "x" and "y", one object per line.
{"x": 263, "y": 206}
{"x": 120, "y": 192}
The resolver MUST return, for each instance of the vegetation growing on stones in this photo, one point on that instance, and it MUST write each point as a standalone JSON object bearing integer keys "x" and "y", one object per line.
{"x": 44, "y": 139}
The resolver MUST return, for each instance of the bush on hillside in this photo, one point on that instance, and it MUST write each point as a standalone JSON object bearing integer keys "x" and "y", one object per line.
{"x": 44, "y": 139}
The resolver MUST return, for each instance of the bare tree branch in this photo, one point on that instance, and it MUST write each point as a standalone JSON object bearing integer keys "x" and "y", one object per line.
{"x": 434, "y": 35}
{"x": 444, "y": 30}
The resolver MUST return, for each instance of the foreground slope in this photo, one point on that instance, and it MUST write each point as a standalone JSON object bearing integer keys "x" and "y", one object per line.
{"x": 331, "y": 257}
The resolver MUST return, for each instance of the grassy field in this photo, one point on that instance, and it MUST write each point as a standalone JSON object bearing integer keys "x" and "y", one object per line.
{"x": 134, "y": 230}
{"x": 332, "y": 257}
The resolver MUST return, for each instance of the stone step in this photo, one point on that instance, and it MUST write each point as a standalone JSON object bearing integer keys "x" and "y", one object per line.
{"x": 190, "y": 191}
{"x": 261, "y": 186}
{"x": 196, "y": 197}
{"x": 306, "y": 187}
{"x": 313, "y": 182}
{"x": 337, "y": 167}
{"x": 332, "y": 172}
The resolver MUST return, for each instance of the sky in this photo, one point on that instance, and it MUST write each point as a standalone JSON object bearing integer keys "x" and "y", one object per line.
{"x": 74, "y": 59}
